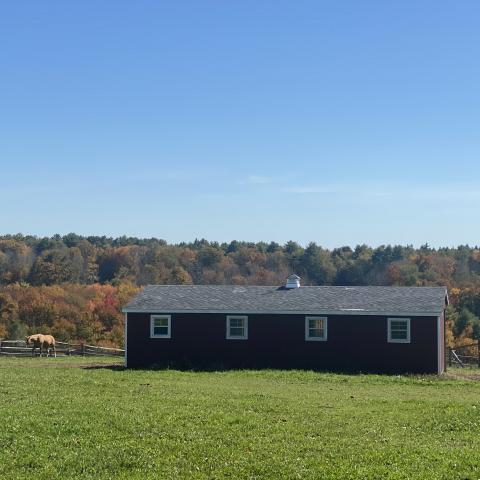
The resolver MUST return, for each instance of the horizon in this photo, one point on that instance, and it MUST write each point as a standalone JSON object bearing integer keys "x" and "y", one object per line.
{"x": 267, "y": 242}
{"x": 343, "y": 124}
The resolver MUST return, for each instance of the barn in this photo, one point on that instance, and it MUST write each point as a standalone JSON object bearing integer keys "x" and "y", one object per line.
{"x": 364, "y": 329}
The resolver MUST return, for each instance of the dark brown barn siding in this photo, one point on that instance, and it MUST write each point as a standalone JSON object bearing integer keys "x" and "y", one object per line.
{"x": 355, "y": 343}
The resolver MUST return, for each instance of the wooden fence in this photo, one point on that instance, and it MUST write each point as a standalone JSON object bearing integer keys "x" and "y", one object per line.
{"x": 464, "y": 355}
{"x": 19, "y": 348}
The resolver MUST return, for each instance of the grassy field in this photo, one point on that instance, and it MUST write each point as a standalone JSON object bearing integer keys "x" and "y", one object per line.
{"x": 69, "y": 418}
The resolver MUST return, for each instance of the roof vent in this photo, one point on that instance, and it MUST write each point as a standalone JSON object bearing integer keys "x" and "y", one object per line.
{"x": 293, "y": 281}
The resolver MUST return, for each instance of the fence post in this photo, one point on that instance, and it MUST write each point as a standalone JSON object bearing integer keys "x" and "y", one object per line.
{"x": 478, "y": 352}
{"x": 0, "y": 345}
{"x": 449, "y": 356}
{"x": 83, "y": 349}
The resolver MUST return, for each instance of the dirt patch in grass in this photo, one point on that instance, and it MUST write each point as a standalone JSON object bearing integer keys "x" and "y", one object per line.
{"x": 463, "y": 374}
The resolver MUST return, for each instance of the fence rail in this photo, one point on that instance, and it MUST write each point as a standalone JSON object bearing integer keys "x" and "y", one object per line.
{"x": 464, "y": 355}
{"x": 19, "y": 348}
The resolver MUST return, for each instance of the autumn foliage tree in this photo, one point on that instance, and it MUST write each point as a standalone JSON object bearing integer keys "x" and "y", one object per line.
{"x": 74, "y": 286}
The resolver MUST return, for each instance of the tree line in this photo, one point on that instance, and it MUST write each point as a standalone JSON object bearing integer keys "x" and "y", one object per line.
{"x": 73, "y": 285}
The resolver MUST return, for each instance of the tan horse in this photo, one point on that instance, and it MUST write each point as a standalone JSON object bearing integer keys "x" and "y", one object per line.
{"x": 41, "y": 342}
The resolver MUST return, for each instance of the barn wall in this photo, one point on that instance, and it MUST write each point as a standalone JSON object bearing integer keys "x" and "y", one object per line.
{"x": 355, "y": 343}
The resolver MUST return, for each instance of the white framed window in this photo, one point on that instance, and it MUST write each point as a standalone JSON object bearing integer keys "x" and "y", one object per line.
{"x": 398, "y": 330}
{"x": 316, "y": 329}
{"x": 237, "y": 327}
{"x": 160, "y": 326}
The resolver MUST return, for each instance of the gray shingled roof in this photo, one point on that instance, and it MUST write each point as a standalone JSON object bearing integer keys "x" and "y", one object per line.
{"x": 256, "y": 299}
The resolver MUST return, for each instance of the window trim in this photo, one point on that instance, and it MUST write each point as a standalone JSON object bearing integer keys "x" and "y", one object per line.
{"x": 245, "y": 327}
{"x": 152, "y": 326}
{"x": 389, "y": 330}
{"x": 308, "y": 338}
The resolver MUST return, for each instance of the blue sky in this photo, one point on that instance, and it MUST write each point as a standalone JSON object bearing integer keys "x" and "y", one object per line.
{"x": 336, "y": 122}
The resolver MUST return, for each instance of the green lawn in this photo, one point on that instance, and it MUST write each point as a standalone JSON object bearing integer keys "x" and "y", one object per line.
{"x": 60, "y": 419}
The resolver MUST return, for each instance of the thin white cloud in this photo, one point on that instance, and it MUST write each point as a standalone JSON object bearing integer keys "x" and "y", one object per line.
{"x": 306, "y": 189}
{"x": 158, "y": 175}
{"x": 445, "y": 192}
{"x": 257, "y": 180}
{"x": 427, "y": 192}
